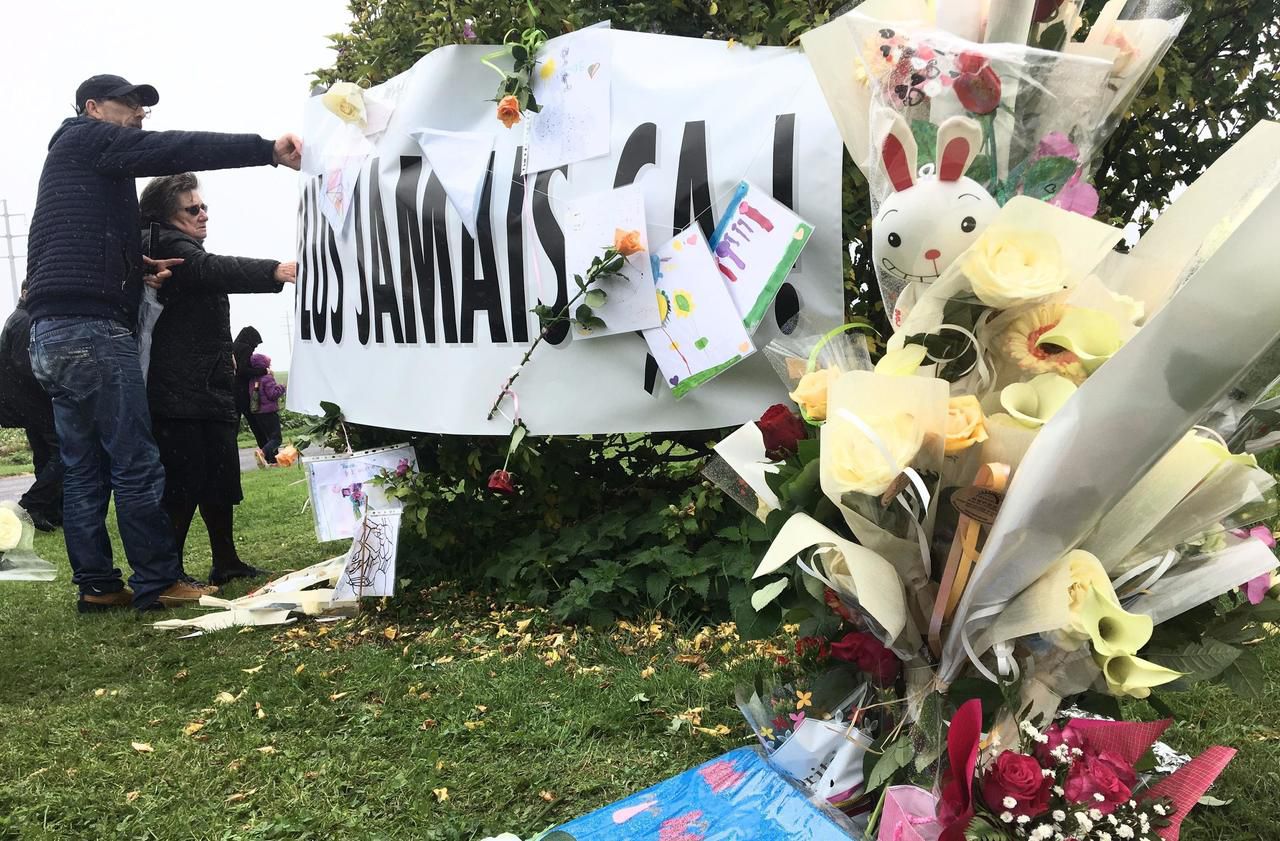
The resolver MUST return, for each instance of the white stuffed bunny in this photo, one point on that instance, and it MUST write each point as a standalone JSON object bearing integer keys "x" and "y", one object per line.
{"x": 931, "y": 217}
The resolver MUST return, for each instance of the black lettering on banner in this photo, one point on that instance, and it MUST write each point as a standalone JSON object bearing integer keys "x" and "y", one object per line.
{"x": 384, "y": 285}
{"x": 319, "y": 304}
{"x": 337, "y": 314}
{"x": 551, "y": 235}
{"x": 640, "y": 150}
{"x": 693, "y": 194}
{"x": 515, "y": 253}
{"x": 482, "y": 293}
{"x": 412, "y": 270}
{"x": 362, "y": 314}
{"x": 305, "y": 232}
{"x": 435, "y": 203}
{"x": 786, "y": 306}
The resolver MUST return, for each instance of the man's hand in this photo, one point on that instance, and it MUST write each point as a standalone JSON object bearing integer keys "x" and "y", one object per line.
{"x": 286, "y": 273}
{"x": 160, "y": 271}
{"x": 288, "y": 151}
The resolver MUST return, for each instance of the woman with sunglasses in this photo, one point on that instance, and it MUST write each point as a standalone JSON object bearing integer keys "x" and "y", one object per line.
{"x": 191, "y": 376}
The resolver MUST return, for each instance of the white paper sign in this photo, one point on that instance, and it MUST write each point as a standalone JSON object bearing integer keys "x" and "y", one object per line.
{"x": 756, "y": 244}
{"x": 341, "y": 491}
{"x": 370, "y": 568}
{"x": 590, "y": 225}
{"x": 408, "y": 322}
{"x": 571, "y": 87}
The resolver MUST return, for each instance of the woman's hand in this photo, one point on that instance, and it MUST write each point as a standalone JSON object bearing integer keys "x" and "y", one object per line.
{"x": 286, "y": 273}
{"x": 160, "y": 271}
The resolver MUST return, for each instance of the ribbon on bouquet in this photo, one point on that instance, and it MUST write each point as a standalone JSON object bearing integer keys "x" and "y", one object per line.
{"x": 978, "y": 505}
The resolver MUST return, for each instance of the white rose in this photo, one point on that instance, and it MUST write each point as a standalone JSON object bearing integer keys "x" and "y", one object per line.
{"x": 851, "y": 463}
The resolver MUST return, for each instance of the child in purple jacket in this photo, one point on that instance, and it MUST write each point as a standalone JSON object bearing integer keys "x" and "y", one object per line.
{"x": 264, "y": 405}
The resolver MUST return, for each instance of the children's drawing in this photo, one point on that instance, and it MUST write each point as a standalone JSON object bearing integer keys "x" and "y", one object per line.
{"x": 571, "y": 86}
{"x": 370, "y": 568}
{"x": 590, "y": 223}
{"x": 756, "y": 243}
{"x": 701, "y": 334}
{"x": 340, "y": 176}
{"x": 341, "y": 491}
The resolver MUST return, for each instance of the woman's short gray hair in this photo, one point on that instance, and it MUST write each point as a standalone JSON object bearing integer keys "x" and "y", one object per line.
{"x": 160, "y": 200}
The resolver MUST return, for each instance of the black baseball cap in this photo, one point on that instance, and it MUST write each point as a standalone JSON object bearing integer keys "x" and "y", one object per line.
{"x": 107, "y": 86}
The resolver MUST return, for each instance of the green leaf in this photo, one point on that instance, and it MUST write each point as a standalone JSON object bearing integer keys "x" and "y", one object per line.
{"x": 1054, "y": 37}
{"x": 926, "y": 135}
{"x": 766, "y": 594}
{"x": 930, "y": 732}
{"x": 582, "y": 314}
{"x": 1046, "y": 176}
{"x": 656, "y": 586}
{"x": 596, "y": 297}
{"x": 809, "y": 450}
{"x": 1201, "y": 660}
{"x": 1245, "y": 676}
{"x": 894, "y": 759}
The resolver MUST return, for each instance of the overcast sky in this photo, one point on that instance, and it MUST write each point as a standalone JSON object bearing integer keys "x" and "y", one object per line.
{"x": 234, "y": 65}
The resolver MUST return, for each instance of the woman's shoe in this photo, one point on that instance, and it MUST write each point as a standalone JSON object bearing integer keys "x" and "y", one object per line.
{"x": 220, "y": 575}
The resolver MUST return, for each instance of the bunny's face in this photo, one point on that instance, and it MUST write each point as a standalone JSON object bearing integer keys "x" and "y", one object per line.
{"x": 922, "y": 229}
{"x": 929, "y": 219}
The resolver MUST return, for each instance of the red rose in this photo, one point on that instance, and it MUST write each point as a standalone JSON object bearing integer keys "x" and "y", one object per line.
{"x": 1100, "y": 773}
{"x": 782, "y": 430}
{"x": 1045, "y": 9}
{"x": 866, "y": 652}
{"x": 500, "y": 482}
{"x": 812, "y": 645}
{"x": 978, "y": 86}
{"x": 838, "y": 607}
{"x": 1016, "y": 776}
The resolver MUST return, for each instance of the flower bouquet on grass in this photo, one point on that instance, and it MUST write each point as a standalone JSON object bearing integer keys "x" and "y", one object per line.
{"x": 1028, "y": 500}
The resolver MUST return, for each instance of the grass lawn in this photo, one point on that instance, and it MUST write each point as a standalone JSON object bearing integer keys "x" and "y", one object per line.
{"x": 434, "y": 716}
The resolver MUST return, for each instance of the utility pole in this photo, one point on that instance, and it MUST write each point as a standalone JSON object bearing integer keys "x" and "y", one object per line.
{"x": 9, "y": 237}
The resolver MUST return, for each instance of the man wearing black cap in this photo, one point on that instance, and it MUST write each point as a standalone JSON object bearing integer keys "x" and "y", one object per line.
{"x": 85, "y": 277}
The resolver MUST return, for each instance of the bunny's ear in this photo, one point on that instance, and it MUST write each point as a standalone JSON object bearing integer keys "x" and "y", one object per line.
{"x": 898, "y": 153}
{"x": 958, "y": 141}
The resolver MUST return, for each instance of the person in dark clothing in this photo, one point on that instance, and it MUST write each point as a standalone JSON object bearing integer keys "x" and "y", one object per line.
{"x": 191, "y": 379}
{"x": 247, "y": 341}
{"x": 24, "y": 404}
{"x": 86, "y": 273}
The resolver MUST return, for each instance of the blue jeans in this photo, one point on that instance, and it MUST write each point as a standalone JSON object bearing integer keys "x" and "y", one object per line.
{"x": 90, "y": 368}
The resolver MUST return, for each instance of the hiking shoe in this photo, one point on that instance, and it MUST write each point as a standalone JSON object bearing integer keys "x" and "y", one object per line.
{"x": 185, "y": 592}
{"x": 100, "y": 602}
{"x": 242, "y": 570}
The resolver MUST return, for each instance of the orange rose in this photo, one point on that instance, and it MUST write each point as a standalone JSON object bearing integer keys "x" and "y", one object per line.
{"x": 626, "y": 243}
{"x": 509, "y": 111}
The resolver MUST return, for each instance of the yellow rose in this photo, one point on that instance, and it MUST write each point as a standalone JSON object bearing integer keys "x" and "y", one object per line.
{"x": 966, "y": 425}
{"x": 851, "y": 463}
{"x": 346, "y": 100}
{"x": 1008, "y": 266}
{"x": 627, "y": 243}
{"x": 811, "y": 393}
{"x": 10, "y": 530}
{"x": 509, "y": 111}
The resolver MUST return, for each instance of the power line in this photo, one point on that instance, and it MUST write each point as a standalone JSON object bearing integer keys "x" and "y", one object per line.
{"x": 9, "y": 237}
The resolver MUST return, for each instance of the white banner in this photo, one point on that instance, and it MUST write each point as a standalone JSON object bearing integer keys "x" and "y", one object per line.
{"x": 407, "y": 321}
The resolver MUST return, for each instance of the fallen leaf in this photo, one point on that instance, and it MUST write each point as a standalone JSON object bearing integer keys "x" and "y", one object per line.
{"x": 182, "y": 675}
{"x": 473, "y": 725}
{"x": 194, "y": 727}
{"x": 132, "y": 796}
{"x": 298, "y": 670}
{"x": 240, "y": 795}
{"x": 261, "y": 713}
{"x": 224, "y": 698}
{"x": 547, "y": 795}
{"x": 254, "y": 670}
{"x": 481, "y": 708}
{"x": 639, "y": 698}
{"x": 718, "y": 730}
{"x": 98, "y": 693}
{"x": 338, "y": 696}
{"x": 142, "y": 747}
{"x": 390, "y": 633}
{"x": 266, "y": 749}
{"x": 648, "y": 672}
{"x": 442, "y": 794}
{"x": 523, "y": 625}
{"x": 428, "y": 724}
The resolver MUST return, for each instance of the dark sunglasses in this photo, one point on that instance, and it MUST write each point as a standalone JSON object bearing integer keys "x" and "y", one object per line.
{"x": 194, "y": 210}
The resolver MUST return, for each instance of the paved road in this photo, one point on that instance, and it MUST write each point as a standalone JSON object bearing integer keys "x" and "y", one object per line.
{"x": 13, "y": 487}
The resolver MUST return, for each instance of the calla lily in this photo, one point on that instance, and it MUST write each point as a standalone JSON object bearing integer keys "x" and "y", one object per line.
{"x": 1224, "y": 455}
{"x": 902, "y": 362}
{"x": 1032, "y": 404}
{"x": 1113, "y": 631}
{"x": 1086, "y": 579}
{"x": 1092, "y": 335}
{"x": 1133, "y": 676}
